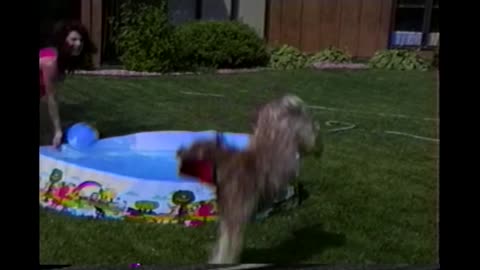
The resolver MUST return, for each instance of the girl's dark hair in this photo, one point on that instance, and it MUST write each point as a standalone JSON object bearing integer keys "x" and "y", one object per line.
{"x": 66, "y": 62}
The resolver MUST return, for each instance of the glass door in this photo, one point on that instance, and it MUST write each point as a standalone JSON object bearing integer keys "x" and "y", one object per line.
{"x": 415, "y": 24}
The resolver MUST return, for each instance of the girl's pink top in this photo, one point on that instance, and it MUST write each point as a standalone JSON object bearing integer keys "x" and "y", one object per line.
{"x": 45, "y": 53}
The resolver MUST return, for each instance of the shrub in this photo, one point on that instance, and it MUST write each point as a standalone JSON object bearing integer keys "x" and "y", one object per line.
{"x": 219, "y": 45}
{"x": 143, "y": 36}
{"x": 398, "y": 60}
{"x": 286, "y": 58}
{"x": 331, "y": 55}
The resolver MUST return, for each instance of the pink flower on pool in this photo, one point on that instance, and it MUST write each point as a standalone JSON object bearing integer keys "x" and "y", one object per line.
{"x": 193, "y": 223}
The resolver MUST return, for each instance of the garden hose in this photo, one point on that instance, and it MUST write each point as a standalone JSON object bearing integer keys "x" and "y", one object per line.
{"x": 348, "y": 126}
{"x": 345, "y": 126}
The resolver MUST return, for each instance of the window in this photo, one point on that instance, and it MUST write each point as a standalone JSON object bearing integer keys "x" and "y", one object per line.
{"x": 416, "y": 24}
{"x": 434, "y": 31}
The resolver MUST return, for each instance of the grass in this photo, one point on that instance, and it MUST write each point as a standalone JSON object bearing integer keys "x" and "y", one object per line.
{"x": 372, "y": 196}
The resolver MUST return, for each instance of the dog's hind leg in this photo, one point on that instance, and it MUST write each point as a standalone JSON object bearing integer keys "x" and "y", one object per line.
{"x": 236, "y": 236}
{"x": 222, "y": 246}
{"x": 231, "y": 236}
{"x": 236, "y": 230}
{"x": 229, "y": 244}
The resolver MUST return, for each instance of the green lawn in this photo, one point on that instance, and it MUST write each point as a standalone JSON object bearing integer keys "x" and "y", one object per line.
{"x": 372, "y": 196}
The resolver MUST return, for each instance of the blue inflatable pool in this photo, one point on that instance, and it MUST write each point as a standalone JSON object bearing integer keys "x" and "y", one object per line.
{"x": 132, "y": 177}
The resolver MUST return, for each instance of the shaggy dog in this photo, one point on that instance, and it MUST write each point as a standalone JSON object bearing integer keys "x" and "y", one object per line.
{"x": 259, "y": 173}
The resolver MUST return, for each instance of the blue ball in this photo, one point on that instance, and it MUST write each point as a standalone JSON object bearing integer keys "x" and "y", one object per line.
{"x": 81, "y": 135}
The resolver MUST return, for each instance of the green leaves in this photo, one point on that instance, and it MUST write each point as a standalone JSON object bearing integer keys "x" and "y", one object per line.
{"x": 398, "y": 60}
{"x": 143, "y": 36}
{"x": 331, "y": 55}
{"x": 287, "y": 58}
{"x": 213, "y": 44}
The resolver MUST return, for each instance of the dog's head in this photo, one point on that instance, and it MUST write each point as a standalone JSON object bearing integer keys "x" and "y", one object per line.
{"x": 272, "y": 110}
{"x": 288, "y": 116}
{"x": 304, "y": 128}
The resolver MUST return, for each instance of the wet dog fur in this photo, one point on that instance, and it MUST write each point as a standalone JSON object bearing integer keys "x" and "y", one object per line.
{"x": 282, "y": 129}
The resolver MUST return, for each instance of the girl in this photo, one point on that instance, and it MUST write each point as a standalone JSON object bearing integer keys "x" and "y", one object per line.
{"x": 71, "y": 45}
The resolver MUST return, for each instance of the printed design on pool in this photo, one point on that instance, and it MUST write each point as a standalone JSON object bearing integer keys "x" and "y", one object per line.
{"x": 90, "y": 198}
{"x": 133, "y": 177}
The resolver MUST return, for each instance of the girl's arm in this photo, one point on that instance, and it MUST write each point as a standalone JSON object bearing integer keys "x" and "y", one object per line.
{"x": 49, "y": 68}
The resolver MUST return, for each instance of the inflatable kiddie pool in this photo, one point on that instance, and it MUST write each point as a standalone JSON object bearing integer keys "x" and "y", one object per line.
{"x": 133, "y": 177}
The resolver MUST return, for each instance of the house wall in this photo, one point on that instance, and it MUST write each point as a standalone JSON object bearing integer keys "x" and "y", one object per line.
{"x": 359, "y": 26}
{"x": 218, "y": 10}
{"x": 252, "y": 12}
{"x": 181, "y": 11}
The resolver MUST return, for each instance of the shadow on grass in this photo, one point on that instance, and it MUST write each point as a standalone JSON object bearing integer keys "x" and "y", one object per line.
{"x": 303, "y": 193}
{"x": 302, "y": 245}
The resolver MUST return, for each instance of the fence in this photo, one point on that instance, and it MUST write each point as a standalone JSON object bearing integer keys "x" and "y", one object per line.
{"x": 359, "y": 26}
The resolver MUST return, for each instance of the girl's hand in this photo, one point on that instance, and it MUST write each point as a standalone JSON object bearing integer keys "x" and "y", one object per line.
{"x": 57, "y": 139}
